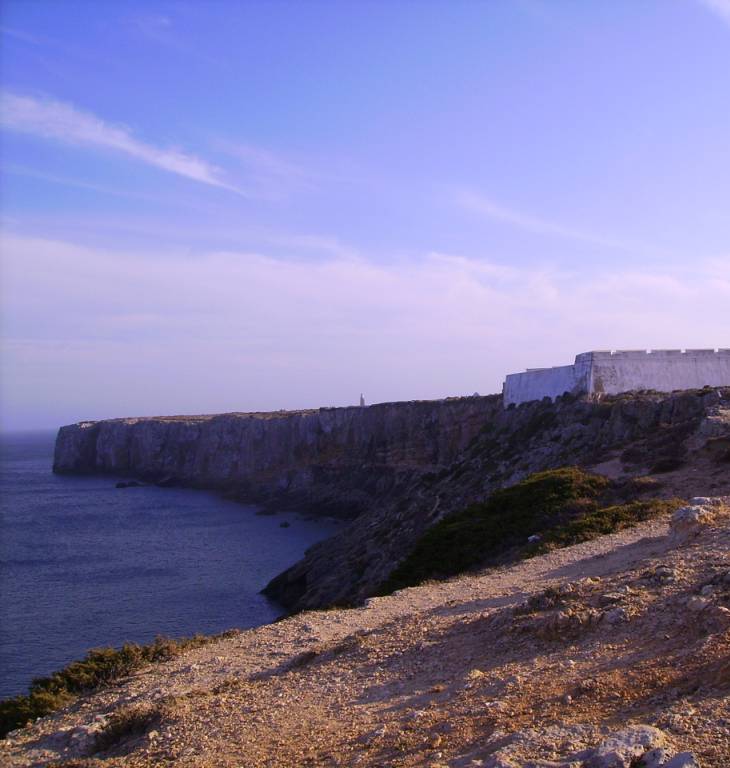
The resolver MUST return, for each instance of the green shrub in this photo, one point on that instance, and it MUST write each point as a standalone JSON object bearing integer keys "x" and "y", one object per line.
{"x": 563, "y": 506}
{"x": 101, "y": 667}
{"x": 605, "y": 520}
{"x": 484, "y": 531}
{"x": 16, "y": 712}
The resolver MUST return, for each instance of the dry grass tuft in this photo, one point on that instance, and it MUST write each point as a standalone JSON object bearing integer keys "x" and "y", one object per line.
{"x": 128, "y": 723}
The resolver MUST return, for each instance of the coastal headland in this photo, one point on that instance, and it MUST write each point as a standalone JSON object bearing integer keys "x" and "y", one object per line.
{"x": 395, "y": 469}
{"x": 545, "y": 585}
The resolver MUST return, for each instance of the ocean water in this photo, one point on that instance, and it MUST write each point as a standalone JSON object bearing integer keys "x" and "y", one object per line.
{"x": 85, "y": 564}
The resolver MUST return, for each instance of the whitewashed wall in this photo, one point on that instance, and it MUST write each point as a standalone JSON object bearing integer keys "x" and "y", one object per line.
{"x": 662, "y": 370}
{"x": 622, "y": 371}
{"x": 536, "y": 383}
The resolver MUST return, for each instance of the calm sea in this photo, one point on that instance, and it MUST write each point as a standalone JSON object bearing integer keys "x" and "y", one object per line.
{"x": 84, "y": 564}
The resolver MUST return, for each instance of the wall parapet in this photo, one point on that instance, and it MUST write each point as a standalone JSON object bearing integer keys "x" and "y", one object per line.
{"x": 623, "y": 370}
{"x": 649, "y": 353}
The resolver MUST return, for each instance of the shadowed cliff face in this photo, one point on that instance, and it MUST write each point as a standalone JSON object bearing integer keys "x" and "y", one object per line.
{"x": 634, "y": 434}
{"x": 337, "y": 460}
{"x": 397, "y": 468}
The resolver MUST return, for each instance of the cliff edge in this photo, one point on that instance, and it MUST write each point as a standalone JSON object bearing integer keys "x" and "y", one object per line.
{"x": 330, "y": 460}
{"x": 394, "y": 469}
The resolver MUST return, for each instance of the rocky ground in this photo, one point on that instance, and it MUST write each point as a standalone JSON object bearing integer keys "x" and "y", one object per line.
{"x": 597, "y": 655}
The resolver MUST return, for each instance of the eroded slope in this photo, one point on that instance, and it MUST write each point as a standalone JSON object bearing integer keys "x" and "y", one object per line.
{"x": 535, "y": 664}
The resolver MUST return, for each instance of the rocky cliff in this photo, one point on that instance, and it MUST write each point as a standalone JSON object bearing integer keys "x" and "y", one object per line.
{"x": 334, "y": 460}
{"x": 682, "y": 440}
{"x": 397, "y": 468}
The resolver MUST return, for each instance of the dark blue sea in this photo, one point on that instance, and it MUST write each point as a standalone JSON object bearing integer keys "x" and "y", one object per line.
{"x": 85, "y": 564}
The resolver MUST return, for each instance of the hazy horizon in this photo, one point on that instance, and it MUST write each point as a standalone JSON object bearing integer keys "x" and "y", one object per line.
{"x": 215, "y": 207}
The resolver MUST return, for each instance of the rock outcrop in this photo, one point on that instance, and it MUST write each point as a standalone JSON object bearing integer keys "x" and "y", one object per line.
{"x": 688, "y": 522}
{"x": 334, "y": 460}
{"x": 626, "y": 435}
{"x": 396, "y": 468}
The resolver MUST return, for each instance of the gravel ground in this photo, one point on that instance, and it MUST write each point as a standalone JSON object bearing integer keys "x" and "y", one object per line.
{"x": 534, "y": 664}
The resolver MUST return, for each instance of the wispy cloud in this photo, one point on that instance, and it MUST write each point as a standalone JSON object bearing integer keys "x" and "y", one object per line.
{"x": 719, "y": 7}
{"x": 268, "y": 174}
{"x": 19, "y": 34}
{"x": 325, "y": 245}
{"x": 67, "y": 181}
{"x": 487, "y": 207}
{"x": 57, "y": 120}
{"x": 152, "y": 25}
{"x": 160, "y": 30}
{"x": 237, "y": 330}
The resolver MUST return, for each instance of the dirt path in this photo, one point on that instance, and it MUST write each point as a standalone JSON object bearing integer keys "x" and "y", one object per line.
{"x": 533, "y": 664}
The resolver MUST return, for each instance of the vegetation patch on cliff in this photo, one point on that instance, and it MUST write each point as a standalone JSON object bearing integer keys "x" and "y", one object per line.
{"x": 558, "y": 507}
{"x": 100, "y": 667}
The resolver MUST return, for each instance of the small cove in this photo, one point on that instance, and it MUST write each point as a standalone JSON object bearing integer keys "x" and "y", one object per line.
{"x": 85, "y": 564}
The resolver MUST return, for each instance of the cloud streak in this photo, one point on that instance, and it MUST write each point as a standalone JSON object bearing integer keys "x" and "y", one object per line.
{"x": 19, "y": 34}
{"x": 719, "y": 7}
{"x": 59, "y": 121}
{"x": 141, "y": 331}
{"x": 269, "y": 176}
{"x": 67, "y": 181}
{"x": 490, "y": 209}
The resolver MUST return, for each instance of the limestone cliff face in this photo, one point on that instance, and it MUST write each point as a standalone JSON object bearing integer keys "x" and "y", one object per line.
{"x": 683, "y": 439}
{"x": 339, "y": 459}
{"x": 396, "y": 468}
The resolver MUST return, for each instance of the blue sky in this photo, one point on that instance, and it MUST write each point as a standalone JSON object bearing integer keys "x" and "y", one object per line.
{"x": 235, "y": 206}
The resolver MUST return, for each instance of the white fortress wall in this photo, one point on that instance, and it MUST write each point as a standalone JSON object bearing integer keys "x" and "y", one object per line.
{"x": 664, "y": 370}
{"x": 536, "y": 383}
{"x": 613, "y": 372}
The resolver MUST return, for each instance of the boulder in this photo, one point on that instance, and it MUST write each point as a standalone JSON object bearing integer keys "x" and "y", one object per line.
{"x": 697, "y": 603}
{"x": 654, "y": 758}
{"x": 622, "y": 749}
{"x": 616, "y": 616}
{"x": 82, "y": 739}
{"x": 706, "y": 501}
{"x": 688, "y": 522}
{"x": 682, "y": 760}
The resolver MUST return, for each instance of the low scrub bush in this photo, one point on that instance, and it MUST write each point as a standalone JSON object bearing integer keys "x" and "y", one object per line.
{"x": 563, "y": 506}
{"x": 127, "y": 723}
{"x": 603, "y": 520}
{"x": 101, "y": 667}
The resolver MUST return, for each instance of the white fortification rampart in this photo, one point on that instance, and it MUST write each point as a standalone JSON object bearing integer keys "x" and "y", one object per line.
{"x": 606, "y": 372}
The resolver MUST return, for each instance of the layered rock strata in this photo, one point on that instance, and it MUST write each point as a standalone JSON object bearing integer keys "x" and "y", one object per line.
{"x": 682, "y": 440}
{"x": 335, "y": 460}
{"x": 397, "y": 468}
